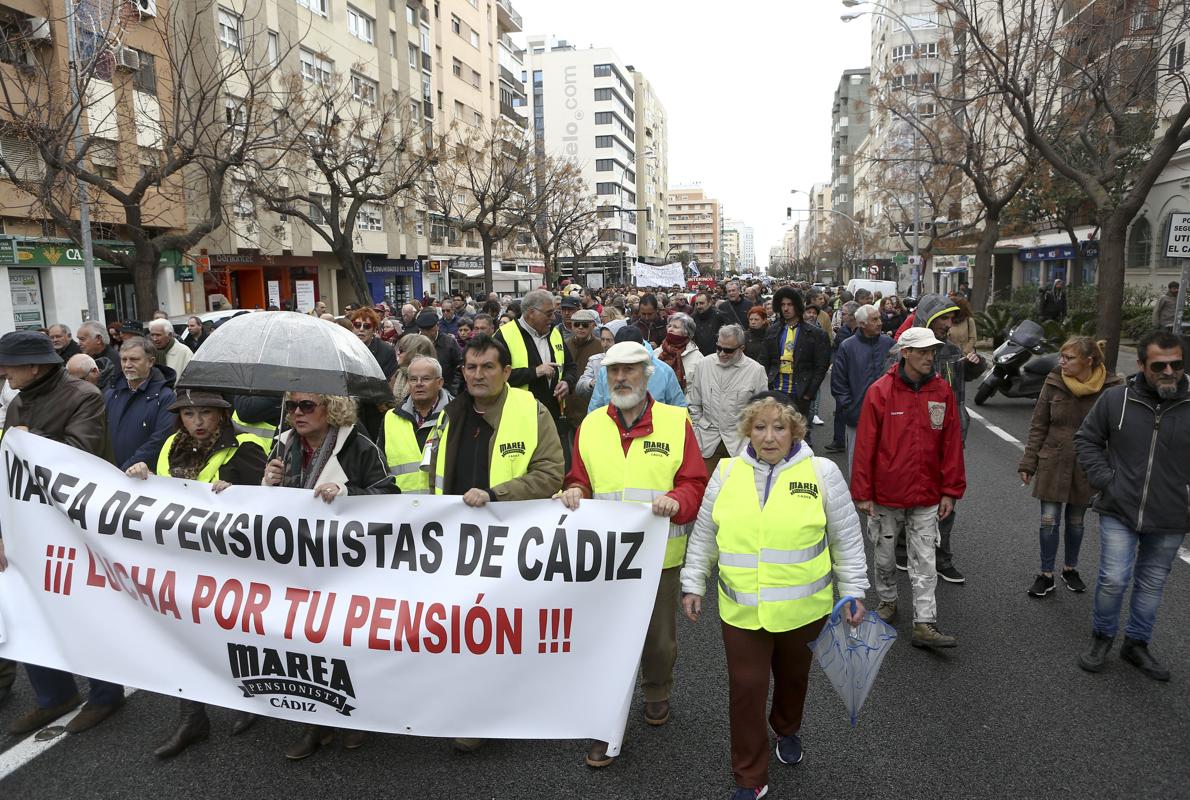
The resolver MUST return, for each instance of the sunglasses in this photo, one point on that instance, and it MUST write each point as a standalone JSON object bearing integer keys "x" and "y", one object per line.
{"x": 305, "y": 406}
{"x": 362, "y": 326}
{"x": 1162, "y": 366}
{"x": 582, "y": 324}
{"x": 727, "y": 350}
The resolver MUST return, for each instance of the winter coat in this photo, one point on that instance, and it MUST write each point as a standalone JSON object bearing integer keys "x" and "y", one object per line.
{"x": 858, "y": 363}
{"x": 386, "y": 357}
{"x": 841, "y": 335}
{"x": 718, "y": 394}
{"x": 964, "y": 335}
{"x": 908, "y": 446}
{"x": 811, "y": 358}
{"x": 527, "y": 378}
{"x": 71, "y": 349}
{"x": 844, "y": 538}
{"x": 244, "y": 468}
{"x": 450, "y": 358}
{"x": 63, "y": 409}
{"x": 706, "y": 329}
{"x": 653, "y": 332}
{"x": 663, "y": 386}
{"x": 1049, "y": 453}
{"x": 356, "y": 465}
{"x": 576, "y": 406}
{"x": 177, "y": 357}
{"x": 1163, "y": 311}
{"x": 754, "y": 346}
{"x": 1052, "y": 304}
{"x": 1133, "y": 449}
{"x": 139, "y": 420}
{"x": 736, "y": 312}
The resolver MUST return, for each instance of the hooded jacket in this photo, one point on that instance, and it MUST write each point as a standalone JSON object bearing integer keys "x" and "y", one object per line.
{"x": 950, "y": 362}
{"x": 1133, "y": 448}
{"x": 139, "y": 420}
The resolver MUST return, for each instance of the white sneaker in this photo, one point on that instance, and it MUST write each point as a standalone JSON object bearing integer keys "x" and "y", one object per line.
{"x": 818, "y": 420}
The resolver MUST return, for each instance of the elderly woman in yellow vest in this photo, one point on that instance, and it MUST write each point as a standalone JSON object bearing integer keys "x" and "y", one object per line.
{"x": 204, "y": 448}
{"x": 781, "y": 524}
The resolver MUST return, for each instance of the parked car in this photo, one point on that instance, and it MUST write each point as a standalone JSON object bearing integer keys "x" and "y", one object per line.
{"x": 210, "y": 319}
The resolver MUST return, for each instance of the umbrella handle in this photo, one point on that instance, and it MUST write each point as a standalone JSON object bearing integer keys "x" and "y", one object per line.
{"x": 838, "y": 605}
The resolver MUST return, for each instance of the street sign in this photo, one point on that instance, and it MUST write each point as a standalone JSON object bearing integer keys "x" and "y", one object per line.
{"x": 1178, "y": 244}
{"x": 899, "y": 259}
{"x": 874, "y": 270}
{"x": 915, "y": 261}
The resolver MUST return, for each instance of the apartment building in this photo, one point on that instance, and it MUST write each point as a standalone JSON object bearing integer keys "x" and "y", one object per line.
{"x": 42, "y": 278}
{"x": 652, "y": 171}
{"x": 729, "y": 248}
{"x": 850, "y": 115}
{"x": 695, "y": 225}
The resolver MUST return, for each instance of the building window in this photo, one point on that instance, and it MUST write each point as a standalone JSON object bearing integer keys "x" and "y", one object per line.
{"x": 317, "y": 6}
{"x": 1177, "y": 57}
{"x": 414, "y": 56}
{"x": 274, "y": 49}
{"x": 315, "y": 68}
{"x": 607, "y": 188}
{"x": 604, "y": 164}
{"x": 902, "y": 52}
{"x": 145, "y": 78}
{"x": 456, "y": 25}
{"x": 475, "y": 79}
{"x": 605, "y": 94}
{"x": 1140, "y": 244}
{"x": 928, "y": 50}
{"x": 364, "y": 89}
{"x": 410, "y": 16}
{"x": 229, "y": 30}
{"x": 477, "y": 118}
{"x": 104, "y": 159}
{"x": 370, "y": 218}
{"x": 474, "y": 38}
{"x": 456, "y": 67}
{"x": 319, "y": 202}
{"x": 360, "y": 25}
{"x": 603, "y": 70}
{"x": 604, "y": 141}
{"x": 603, "y": 117}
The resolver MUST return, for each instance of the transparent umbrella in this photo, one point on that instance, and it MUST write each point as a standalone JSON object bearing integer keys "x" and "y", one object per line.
{"x": 851, "y": 656}
{"x": 273, "y": 352}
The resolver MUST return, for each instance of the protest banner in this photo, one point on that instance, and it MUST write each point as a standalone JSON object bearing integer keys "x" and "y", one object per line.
{"x": 658, "y": 275}
{"x": 405, "y": 614}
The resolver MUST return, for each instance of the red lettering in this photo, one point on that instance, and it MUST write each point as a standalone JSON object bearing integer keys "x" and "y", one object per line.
{"x": 357, "y": 615}
{"x": 380, "y": 622}
{"x": 408, "y": 628}
{"x": 144, "y": 589}
{"x": 204, "y": 595}
{"x": 259, "y": 595}
{"x": 93, "y": 577}
{"x": 226, "y": 616}
{"x": 295, "y": 597}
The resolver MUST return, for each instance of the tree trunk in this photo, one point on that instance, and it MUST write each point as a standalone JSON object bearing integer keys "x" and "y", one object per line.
{"x": 488, "y": 282}
{"x": 574, "y": 276}
{"x": 355, "y": 275}
{"x": 1111, "y": 284}
{"x": 985, "y": 259}
{"x": 144, "y": 282}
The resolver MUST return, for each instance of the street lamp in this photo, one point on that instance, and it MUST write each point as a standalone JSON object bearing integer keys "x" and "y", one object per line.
{"x": 881, "y": 10}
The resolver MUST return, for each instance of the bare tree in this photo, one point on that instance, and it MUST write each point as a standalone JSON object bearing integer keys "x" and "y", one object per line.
{"x": 159, "y": 128}
{"x": 580, "y": 242}
{"x": 348, "y": 155}
{"x": 564, "y": 206}
{"x": 1088, "y": 86}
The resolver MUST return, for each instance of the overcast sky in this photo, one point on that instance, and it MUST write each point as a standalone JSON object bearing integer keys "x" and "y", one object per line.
{"x": 747, "y": 87}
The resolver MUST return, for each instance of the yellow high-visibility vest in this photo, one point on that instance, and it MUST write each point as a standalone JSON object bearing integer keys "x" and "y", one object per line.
{"x": 262, "y": 433}
{"x": 513, "y": 444}
{"x": 646, "y": 472}
{"x": 511, "y": 333}
{"x": 774, "y": 563}
{"x": 210, "y": 471}
{"x": 403, "y": 456}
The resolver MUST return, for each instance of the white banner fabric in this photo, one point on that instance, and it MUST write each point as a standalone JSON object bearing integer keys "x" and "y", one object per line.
{"x": 663, "y": 275}
{"x": 402, "y": 614}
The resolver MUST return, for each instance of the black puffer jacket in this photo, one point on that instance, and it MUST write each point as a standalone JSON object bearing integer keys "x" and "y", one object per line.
{"x": 1133, "y": 447}
{"x": 357, "y": 464}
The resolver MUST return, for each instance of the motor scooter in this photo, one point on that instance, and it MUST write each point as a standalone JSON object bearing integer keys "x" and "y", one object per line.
{"x": 1019, "y": 365}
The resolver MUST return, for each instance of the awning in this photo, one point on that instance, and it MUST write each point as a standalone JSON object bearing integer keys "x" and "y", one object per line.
{"x": 509, "y": 279}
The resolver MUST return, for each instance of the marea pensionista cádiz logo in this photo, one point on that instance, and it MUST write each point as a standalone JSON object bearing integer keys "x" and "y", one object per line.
{"x": 304, "y": 680}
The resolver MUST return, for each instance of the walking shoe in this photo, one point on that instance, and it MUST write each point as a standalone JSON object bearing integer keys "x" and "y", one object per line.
{"x": 902, "y": 563}
{"x": 657, "y": 713}
{"x": 1136, "y": 653}
{"x": 833, "y": 447}
{"x": 313, "y": 737}
{"x": 926, "y": 634}
{"x": 193, "y": 727}
{"x": 40, "y": 717}
{"x": 1042, "y": 585}
{"x": 789, "y": 749}
{"x": 597, "y": 756}
{"x": 1073, "y": 581}
{"x": 91, "y": 715}
{"x": 950, "y": 574}
{"x": 1093, "y": 659}
{"x": 887, "y": 610}
{"x": 742, "y": 793}
{"x": 467, "y": 745}
{"x": 818, "y": 420}
{"x": 353, "y": 740}
{"x": 242, "y": 722}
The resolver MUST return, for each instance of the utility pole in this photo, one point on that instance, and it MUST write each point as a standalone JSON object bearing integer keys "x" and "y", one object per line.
{"x": 77, "y": 135}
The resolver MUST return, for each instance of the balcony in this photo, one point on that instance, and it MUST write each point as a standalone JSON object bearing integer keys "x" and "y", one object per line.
{"x": 507, "y": 17}
{"x": 513, "y": 115}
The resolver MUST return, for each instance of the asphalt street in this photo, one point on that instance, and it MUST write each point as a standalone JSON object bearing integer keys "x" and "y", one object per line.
{"x": 1006, "y": 714}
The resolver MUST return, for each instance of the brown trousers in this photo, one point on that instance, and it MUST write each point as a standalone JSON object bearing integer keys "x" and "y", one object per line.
{"x": 751, "y": 657}
{"x": 661, "y": 641}
{"x": 719, "y": 454}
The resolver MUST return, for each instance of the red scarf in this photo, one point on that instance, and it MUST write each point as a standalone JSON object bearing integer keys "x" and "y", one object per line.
{"x": 671, "y": 353}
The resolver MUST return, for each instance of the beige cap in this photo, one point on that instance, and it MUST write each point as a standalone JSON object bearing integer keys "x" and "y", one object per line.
{"x": 627, "y": 353}
{"x": 919, "y": 339}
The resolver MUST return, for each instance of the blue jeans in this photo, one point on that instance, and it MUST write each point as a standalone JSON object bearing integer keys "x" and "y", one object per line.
{"x": 1051, "y": 517}
{"x": 53, "y": 687}
{"x": 1144, "y": 560}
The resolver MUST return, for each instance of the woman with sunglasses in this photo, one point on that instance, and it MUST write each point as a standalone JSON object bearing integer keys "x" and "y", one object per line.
{"x": 367, "y": 327}
{"x": 205, "y": 448}
{"x": 325, "y": 452}
{"x": 1066, "y": 399}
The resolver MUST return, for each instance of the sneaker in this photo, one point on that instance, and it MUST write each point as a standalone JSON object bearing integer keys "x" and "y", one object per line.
{"x": 1093, "y": 660}
{"x": 789, "y": 749}
{"x": 926, "y": 634}
{"x": 1042, "y": 585}
{"x": 887, "y": 610}
{"x": 1136, "y": 653}
{"x": 835, "y": 447}
{"x": 950, "y": 574}
{"x": 818, "y": 420}
{"x": 742, "y": 793}
{"x": 902, "y": 562}
{"x": 1073, "y": 581}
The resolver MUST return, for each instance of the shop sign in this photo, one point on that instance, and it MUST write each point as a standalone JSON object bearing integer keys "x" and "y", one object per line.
{"x": 402, "y": 266}
{"x": 24, "y": 285}
{"x": 184, "y": 273}
{"x": 64, "y": 254}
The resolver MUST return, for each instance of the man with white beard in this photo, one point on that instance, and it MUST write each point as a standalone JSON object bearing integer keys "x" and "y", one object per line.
{"x": 637, "y": 449}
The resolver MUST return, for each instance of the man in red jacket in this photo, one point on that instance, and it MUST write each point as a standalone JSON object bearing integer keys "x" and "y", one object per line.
{"x": 907, "y": 474}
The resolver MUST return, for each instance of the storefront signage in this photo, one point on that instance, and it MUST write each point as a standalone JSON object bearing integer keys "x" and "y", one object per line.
{"x": 406, "y": 266}
{"x": 1178, "y": 244}
{"x": 1058, "y": 253}
{"x": 305, "y": 295}
{"x": 24, "y": 285}
{"x": 64, "y": 254}
{"x": 184, "y": 273}
{"x": 275, "y": 293}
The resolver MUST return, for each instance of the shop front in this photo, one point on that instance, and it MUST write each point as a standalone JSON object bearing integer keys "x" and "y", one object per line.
{"x": 395, "y": 281}
{"x": 1041, "y": 266}
{"x": 251, "y": 281}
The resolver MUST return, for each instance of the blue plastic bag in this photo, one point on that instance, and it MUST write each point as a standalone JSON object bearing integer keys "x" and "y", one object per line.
{"x": 851, "y": 656}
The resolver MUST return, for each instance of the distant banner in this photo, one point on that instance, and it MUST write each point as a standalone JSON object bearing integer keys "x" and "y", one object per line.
{"x": 663, "y": 275}
{"x": 403, "y": 614}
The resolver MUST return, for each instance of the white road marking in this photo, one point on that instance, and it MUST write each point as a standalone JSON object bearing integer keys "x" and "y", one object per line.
{"x": 31, "y": 747}
{"x": 996, "y": 430}
{"x": 1184, "y": 554}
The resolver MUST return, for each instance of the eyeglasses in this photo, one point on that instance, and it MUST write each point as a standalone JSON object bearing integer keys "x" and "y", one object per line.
{"x": 362, "y": 326}
{"x": 582, "y": 324}
{"x": 726, "y": 350}
{"x": 305, "y": 406}
{"x": 1162, "y": 366}
{"x": 421, "y": 381}
{"x": 1066, "y": 357}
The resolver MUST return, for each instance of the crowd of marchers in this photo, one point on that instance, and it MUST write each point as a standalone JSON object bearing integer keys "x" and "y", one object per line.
{"x": 700, "y": 404}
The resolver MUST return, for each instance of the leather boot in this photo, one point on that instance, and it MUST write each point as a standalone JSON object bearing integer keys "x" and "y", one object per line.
{"x": 242, "y": 722}
{"x": 193, "y": 727}
{"x": 1093, "y": 659}
{"x": 313, "y": 737}
{"x": 1136, "y": 653}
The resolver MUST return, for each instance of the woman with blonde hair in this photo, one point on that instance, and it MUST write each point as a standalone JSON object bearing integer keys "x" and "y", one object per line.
{"x": 963, "y": 333}
{"x": 1049, "y": 460}
{"x": 409, "y": 347}
{"x": 781, "y": 524}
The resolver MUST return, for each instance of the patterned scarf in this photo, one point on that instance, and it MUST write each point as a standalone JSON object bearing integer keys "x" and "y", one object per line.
{"x": 309, "y": 474}
{"x": 188, "y": 456}
{"x": 671, "y": 353}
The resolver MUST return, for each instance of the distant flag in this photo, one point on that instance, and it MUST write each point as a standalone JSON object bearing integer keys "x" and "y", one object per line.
{"x": 694, "y": 268}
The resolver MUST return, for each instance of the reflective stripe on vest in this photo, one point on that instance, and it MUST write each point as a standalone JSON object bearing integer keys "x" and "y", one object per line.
{"x": 646, "y": 472}
{"x": 210, "y": 471}
{"x": 513, "y": 443}
{"x": 514, "y": 340}
{"x": 774, "y": 563}
{"x": 262, "y": 433}
{"x": 402, "y": 456}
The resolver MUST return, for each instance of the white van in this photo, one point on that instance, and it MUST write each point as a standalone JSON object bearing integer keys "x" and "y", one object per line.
{"x": 885, "y": 288}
